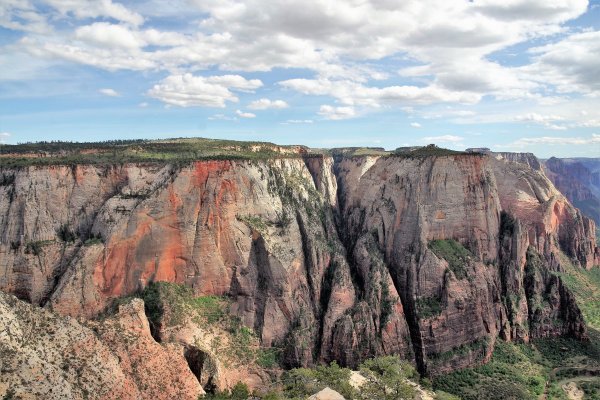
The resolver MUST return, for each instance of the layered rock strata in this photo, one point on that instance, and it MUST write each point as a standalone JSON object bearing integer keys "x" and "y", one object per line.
{"x": 324, "y": 258}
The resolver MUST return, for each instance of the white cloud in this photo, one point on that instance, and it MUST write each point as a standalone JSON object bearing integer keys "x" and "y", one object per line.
{"x": 336, "y": 113}
{"x": 554, "y": 140}
{"x": 443, "y": 139}
{"x": 109, "y": 92}
{"x": 82, "y": 9}
{"x": 571, "y": 64}
{"x": 22, "y": 15}
{"x": 143, "y": 104}
{"x": 415, "y": 125}
{"x": 188, "y": 90}
{"x": 221, "y": 117}
{"x": 591, "y": 123}
{"x": 4, "y": 136}
{"x": 547, "y": 121}
{"x": 109, "y": 36}
{"x": 242, "y": 114}
{"x": 546, "y": 11}
{"x": 353, "y": 93}
{"x": 298, "y": 121}
{"x": 263, "y": 104}
{"x": 451, "y": 47}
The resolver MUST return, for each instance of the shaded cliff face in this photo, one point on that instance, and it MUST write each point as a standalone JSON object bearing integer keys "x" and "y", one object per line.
{"x": 579, "y": 181}
{"x": 432, "y": 258}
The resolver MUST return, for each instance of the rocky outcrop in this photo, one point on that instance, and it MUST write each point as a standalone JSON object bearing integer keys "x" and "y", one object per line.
{"x": 45, "y": 356}
{"x": 552, "y": 223}
{"x": 528, "y": 159}
{"x": 324, "y": 258}
{"x": 579, "y": 181}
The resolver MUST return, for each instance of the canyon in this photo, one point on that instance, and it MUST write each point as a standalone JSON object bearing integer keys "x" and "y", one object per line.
{"x": 340, "y": 255}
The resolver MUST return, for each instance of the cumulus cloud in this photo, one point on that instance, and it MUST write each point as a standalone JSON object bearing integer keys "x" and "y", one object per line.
{"x": 447, "y": 51}
{"x": 4, "y": 137}
{"x": 443, "y": 139}
{"x": 263, "y": 104}
{"x": 109, "y": 36}
{"x": 109, "y": 92}
{"x": 415, "y": 124}
{"x": 336, "y": 113}
{"x": 188, "y": 90}
{"x": 571, "y": 64}
{"x": 243, "y": 114}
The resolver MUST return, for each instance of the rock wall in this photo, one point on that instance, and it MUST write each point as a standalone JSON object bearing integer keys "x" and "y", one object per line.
{"x": 324, "y": 258}
{"x": 44, "y": 356}
{"x": 578, "y": 181}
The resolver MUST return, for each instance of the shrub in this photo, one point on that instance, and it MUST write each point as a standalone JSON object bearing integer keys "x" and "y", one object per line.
{"x": 386, "y": 379}
{"x": 304, "y": 382}
{"x": 428, "y": 307}
{"x": 65, "y": 234}
{"x": 454, "y": 253}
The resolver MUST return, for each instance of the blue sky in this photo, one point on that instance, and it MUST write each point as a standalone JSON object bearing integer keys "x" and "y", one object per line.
{"x": 512, "y": 75}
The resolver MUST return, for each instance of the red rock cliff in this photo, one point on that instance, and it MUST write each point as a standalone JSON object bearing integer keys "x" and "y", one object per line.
{"x": 327, "y": 260}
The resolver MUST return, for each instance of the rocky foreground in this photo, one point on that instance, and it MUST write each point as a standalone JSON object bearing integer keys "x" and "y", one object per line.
{"x": 325, "y": 257}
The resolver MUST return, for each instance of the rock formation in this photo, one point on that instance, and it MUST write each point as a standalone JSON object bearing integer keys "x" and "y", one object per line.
{"x": 45, "y": 356}
{"x": 579, "y": 181}
{"x": 343, "y": 257}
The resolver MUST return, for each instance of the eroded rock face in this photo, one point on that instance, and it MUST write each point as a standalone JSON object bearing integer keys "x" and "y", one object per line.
{"x": 579, "y": 181}
{"x": 326, "y": 259}
{"x": 47, "y": 356}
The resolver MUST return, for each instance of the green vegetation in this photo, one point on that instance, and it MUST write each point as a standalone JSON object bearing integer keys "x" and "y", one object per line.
{"x": 180, "y": 150}
{"x": 385, "y": 378}
{"x": 429, "y": 151}
{"x": 239, "y": 392}
{"x": 525, "y": 371}
{"x": 304, "y": 382}
{"x": 477, "y": 347}
{"x": 428, "y": 307}
{"x": 93, "y": 239}
{"x": 453, "y": 252}
{"x": 585, "y": 284}
{"x": 359, "y": 151}
{"x": 254, "y": 221}
{"x": 509, "y": 375}
{"x": 170, "y": 304}
{"x": 37, "y": 247}
{"x": 65, "y": 234}
{"x": 521, "y": 371}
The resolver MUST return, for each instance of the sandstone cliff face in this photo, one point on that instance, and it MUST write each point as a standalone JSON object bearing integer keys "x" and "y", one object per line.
{"x": 326, "y": 259}
{"x": 45, "y": 356}
{"x": 528, "y": 159}
{"x": 579, "y": 181}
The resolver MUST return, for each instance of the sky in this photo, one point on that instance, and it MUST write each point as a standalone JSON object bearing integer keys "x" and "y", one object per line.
{"x": 511, "y": 75}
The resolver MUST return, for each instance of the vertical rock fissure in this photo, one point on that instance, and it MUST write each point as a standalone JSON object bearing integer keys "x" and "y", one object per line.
{"x": 412, "y": 319}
